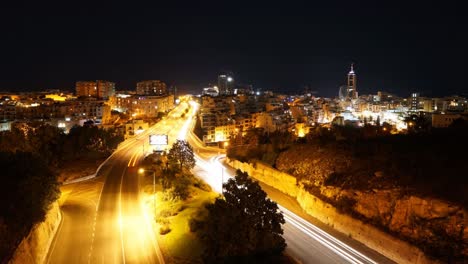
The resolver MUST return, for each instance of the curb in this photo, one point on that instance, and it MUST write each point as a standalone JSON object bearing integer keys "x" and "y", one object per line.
{"x": 54, "y": 237}
{"x": 85, "y": 178}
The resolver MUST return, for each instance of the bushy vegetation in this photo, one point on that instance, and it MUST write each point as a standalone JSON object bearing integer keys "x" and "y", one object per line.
{"x": 56, "y": 147}
{"x": 180, "y": 198}
{"x": 244, "y": 226}
{"x": 257, "y": 145}
{"x": 429, "y": 163}
{"x": 181, "y": 155}
{"x": 30, "y": 156}
{"x": 28, "y": 189}
{"x": 425, "y": 161}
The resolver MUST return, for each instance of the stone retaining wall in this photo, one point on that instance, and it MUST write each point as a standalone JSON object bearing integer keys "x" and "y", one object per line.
{"x": 384, "y": 243}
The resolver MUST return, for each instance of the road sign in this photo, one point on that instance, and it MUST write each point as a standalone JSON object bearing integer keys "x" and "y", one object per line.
{"x": 158, "y": 140}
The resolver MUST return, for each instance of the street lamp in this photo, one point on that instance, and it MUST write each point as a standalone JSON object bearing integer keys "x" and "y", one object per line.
{"x": 141, "y": 171}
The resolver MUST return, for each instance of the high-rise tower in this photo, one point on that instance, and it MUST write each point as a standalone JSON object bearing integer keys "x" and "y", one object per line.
{"x": 352, "y": 92}
{"x": 225, "y": 84}
{"x": 151, "y": 87}
{"x": 99, "y": 88}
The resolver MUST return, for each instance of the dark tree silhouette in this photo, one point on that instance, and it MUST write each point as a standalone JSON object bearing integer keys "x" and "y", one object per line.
{"x": 181, "y": 155}
{"x": 28, "y": 189}
{"x": 244, "y": 226}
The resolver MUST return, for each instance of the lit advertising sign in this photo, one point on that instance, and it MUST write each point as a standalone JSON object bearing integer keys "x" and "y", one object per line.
{"x": 158, "y": 140}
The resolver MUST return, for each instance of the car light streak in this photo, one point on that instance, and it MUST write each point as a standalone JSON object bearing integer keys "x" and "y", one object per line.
{"x": 338, "y": 247}
{"x": 314, "y": 228}
{"x": 131, "y": 158}
{"x": 135, "y": 158}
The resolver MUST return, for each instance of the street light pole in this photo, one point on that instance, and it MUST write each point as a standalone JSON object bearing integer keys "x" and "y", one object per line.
{"x": 154, "y": 192}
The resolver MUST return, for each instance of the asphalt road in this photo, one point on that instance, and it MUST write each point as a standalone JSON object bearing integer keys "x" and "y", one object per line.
{"x": 103, "y": 220}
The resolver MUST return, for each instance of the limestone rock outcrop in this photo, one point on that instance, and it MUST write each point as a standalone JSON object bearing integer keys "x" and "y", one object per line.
{"x": 378, "y": 217}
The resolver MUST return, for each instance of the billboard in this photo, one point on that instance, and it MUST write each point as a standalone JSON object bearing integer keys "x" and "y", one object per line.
{"x": 158, "y": 140}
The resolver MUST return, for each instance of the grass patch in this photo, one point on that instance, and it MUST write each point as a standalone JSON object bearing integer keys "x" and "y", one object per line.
{"x": 173, "y": 217}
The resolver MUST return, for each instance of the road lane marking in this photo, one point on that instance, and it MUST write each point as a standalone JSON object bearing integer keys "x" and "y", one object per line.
{"x": 136, "y": 158}
{"x": 131, "y": 158}
{"x": 120, "y": 215}
{"x": 94, "y": 223}
{"x": 130, "y": 161}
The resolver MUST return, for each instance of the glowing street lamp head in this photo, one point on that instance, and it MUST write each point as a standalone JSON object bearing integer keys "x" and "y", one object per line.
{"x": 229, "y": 79}
{"x": 141, "y": 170}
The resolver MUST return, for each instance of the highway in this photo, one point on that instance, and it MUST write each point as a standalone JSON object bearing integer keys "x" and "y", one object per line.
{"x": 103, "y": 220}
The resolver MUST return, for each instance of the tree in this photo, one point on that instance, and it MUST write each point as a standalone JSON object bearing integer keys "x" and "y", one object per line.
{"x": 417, "y": 123}
{"x": 244, "y": 226}
{"x": 28, "y": 188}
{"x": 47, "y": 140}
{"x": 181, "y": 154}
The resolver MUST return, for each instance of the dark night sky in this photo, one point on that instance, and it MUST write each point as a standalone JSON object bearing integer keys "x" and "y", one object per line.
{"x": 412, "y": 46}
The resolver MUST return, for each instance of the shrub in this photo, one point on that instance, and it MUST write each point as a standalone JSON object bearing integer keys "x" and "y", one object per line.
{"x": 162, "y": 221}
{"x": 202, "y": 185}
{"x": 168, "y": 213}
{"x": 181, "y": 188}
{"x": 164, "y": 230}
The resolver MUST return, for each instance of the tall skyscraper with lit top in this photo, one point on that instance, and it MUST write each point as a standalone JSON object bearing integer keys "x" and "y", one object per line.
{"x": 225, "y": 84}
{"x": 352, "y": 92}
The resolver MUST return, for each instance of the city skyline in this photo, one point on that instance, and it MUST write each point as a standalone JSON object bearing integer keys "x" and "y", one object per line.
{"x": 230, "y": 132}
{"x": 396, "y": 48}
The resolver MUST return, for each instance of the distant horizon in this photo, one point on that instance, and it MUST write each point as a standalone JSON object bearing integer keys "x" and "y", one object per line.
{"x": 192, "y": 90}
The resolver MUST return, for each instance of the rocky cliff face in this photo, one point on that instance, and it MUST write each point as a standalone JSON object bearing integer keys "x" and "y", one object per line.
{"x": 437, "y": 227}
{"x": 367, "y": 190}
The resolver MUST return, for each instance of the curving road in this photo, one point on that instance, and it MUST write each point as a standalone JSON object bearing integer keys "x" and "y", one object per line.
{"x": 103, "y": 220}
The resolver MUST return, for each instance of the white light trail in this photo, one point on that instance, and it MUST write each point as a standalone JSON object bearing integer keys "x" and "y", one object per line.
{"x": 324, "y": 238}
{"x": 338, "y": 247}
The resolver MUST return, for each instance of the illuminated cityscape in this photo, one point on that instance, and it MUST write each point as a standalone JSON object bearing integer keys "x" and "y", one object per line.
{"x": 200, "y": 133}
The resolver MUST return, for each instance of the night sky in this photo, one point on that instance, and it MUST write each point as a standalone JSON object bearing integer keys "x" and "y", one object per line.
{"x": 400, "y": 48}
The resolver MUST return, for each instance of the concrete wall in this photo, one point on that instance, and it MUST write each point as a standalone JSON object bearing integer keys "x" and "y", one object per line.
{"x": 34, "y": 247}
{"x": 386, "y": 244}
